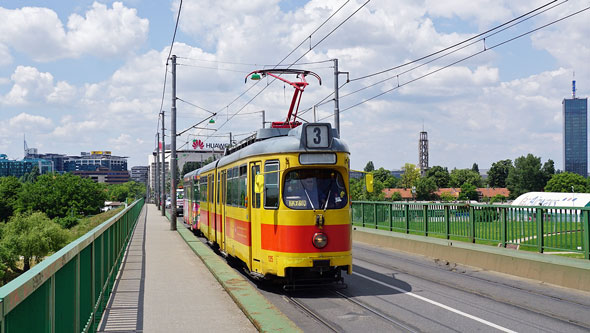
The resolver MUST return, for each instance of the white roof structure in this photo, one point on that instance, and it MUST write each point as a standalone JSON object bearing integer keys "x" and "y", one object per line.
{"x": 553, "y": 199}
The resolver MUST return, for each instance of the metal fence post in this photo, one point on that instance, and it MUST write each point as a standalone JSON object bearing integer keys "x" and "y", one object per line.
{"x": 363, "y": 213}
{"x": 407, "y": 209}
{"x": 375, "y": 215}
{"x": 472, "y": 224}
{"x": 540, "y": 236}
{"x": 447, "y": 221}
{"x": 425, "y": 212}
{"x": 503, "y": 226}
{"x": 391, "y": 216}
{"x": 586, "y": 234}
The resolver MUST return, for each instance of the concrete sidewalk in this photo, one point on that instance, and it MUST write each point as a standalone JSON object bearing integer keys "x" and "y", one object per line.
{"x": 164, "y": 287}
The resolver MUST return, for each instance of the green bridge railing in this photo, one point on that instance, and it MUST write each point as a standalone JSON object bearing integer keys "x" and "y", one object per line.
{"x": 542, "y": 229}
{"x": 67, "y": 292}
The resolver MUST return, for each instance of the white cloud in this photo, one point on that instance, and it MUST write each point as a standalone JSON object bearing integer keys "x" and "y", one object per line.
{"x": 39, "y": 33}
{"x": 32, "y": 86}
{"x": 28, "y": 122}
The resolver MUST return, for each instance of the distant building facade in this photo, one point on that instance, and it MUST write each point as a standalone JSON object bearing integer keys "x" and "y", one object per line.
{"x": 140, "y": 174}
{"x": 575, "y": 134}
{"x": 21, "y": 168}
{"x": 94, "y": 160}
{"x": 104, "y": 175}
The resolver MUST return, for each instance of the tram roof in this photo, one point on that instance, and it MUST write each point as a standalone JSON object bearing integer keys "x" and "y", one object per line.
{"x": 271, "y": 141}
{"x": 553, "y": 199}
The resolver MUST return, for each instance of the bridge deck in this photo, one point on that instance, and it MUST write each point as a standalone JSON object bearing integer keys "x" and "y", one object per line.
{"x": 163, "y": 286}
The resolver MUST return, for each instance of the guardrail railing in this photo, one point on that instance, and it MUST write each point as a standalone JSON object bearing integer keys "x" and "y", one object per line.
{"x": 538, "y": 228}
{"x": 67, "y": 292}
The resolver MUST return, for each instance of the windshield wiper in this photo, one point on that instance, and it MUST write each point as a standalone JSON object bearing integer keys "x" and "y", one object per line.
{"x": 306, "y": 194}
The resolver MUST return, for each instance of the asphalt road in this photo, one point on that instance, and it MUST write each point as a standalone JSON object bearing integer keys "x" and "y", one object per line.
{"x": 397, "y": 292}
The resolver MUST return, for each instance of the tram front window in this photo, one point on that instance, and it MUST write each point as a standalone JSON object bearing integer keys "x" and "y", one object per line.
{"x": 316, "y": 189}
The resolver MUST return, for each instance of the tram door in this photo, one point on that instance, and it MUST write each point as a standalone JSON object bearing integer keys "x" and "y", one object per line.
{"x": 210, "y": 208}
{"x": 218, "y": 216}
{"x": 222, "y": 189}
{"x": 255, "y": 216}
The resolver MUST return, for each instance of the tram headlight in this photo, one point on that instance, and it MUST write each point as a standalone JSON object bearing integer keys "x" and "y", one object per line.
{"x": 320, "y": 240}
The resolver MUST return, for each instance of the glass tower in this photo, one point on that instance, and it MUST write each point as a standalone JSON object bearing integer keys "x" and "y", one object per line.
{"x": 575, "y": 135}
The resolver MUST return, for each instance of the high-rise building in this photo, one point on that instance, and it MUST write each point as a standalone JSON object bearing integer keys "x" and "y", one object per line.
{"x": 575, "y": 134}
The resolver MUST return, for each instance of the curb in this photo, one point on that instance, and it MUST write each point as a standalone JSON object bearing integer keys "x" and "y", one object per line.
{"x": 264, "y": 315}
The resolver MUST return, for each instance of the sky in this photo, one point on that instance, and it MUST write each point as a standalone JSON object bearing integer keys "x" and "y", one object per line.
{"x": 78, "y": 76}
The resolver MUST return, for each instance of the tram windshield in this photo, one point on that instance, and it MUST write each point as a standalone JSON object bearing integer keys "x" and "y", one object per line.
{"x": 317, "y": 189}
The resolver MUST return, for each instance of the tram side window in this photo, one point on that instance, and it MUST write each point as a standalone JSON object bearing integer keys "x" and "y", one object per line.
{"x": 218, "y": 186}
{"x": 203, "y": 188}
{"x": 271, "y": 184}
{"x": 243, "y": 185}
{"x": 228, "y": 186}
{"x": 234, "y": 189}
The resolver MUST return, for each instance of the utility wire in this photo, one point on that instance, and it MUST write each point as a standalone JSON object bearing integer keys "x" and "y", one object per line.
{"x": 191, "y": 104}
{"x": 452, "y": 46}
{"x": 311, "y": 48}
{"x": 521, "y": 19}
{"x": 463, "y": 59}
{"x": 215, "y": 68}
{"x": 251, "y": 65}
{"x": 166, "y": 69}
{"x": 303, "y": 55}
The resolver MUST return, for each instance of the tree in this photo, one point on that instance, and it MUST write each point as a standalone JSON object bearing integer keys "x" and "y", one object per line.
{"x": 10, "y": 188}
{"x": 446, "y": 197}
{"x": 425, "y": 188}
{"x": 410, "y": 176}
{"x": 396, "y": 196}
{"x": 33, "y": 236}
{"x": 358, "y": 190}
{"x": 468, "y": 192}
{"x": 462, "y": 176}
{"x": 60, "y": 195}
{"x": 369, "y": 167}
{"x": 498, "y": 173}
{"x": 497, "y": 198}
{"x": 565, "y": 181}
{"x": 385, "y": 176}
{"x": 548, "y": 169}
{"x": 30, "y": 177}
{"x": 526, "y": 176}
{"x": 190, "y": 166}
{"x": 440, "y": 176}
{"x": 475, "y": 168}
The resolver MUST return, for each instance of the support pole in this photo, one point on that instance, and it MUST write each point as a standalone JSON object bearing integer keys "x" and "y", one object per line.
{"x": 157, "y": 174}
{"x": 263, "y": 119}
{"x": 336, "y": 98}
{"x": 173, "y": 149}
{"x": 163, "y": 169}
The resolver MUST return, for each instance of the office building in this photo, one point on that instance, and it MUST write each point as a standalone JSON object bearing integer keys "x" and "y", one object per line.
{"x": 575, "y": 134}
{"x": 139, "y": 174}
{"x": 20, "y": 168}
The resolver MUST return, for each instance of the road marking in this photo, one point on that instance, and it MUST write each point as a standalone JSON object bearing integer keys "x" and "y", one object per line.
{"x": 446, "y": 307}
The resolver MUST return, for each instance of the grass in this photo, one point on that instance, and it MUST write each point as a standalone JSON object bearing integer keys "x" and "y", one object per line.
{"x": 88, "y": 223}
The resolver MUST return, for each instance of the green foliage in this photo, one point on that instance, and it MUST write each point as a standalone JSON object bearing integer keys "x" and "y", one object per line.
{"x": 59, "y": 195}
{"x": 190, "y": 166}
{"x": 447, "y": 197}
{"x": 396, "y": 196}
{"x": 66, "y": 222}
{"x": 475, "y": 168}
{"x": 30, "y": 177}
{"x": 358, "y": 190}
{"x": 369, "y": 167}
{"x": 10, "y": 188}
{"x": 468, "y": 192}
{"x": 440, "y": 176}
{"x": 410, "y": 176}
{"x": 129, "y": 190}
{"x": 33, "y": 236}
{"x": 462, "y": 176}
{"x": 425, "y": 188}
{"x": 497, "y": 198}
{"x": 527, "y": 175}
{"x": 564, "y": 182}
{"x": 385, "y": 176}
{"x": 498, "y": 173}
